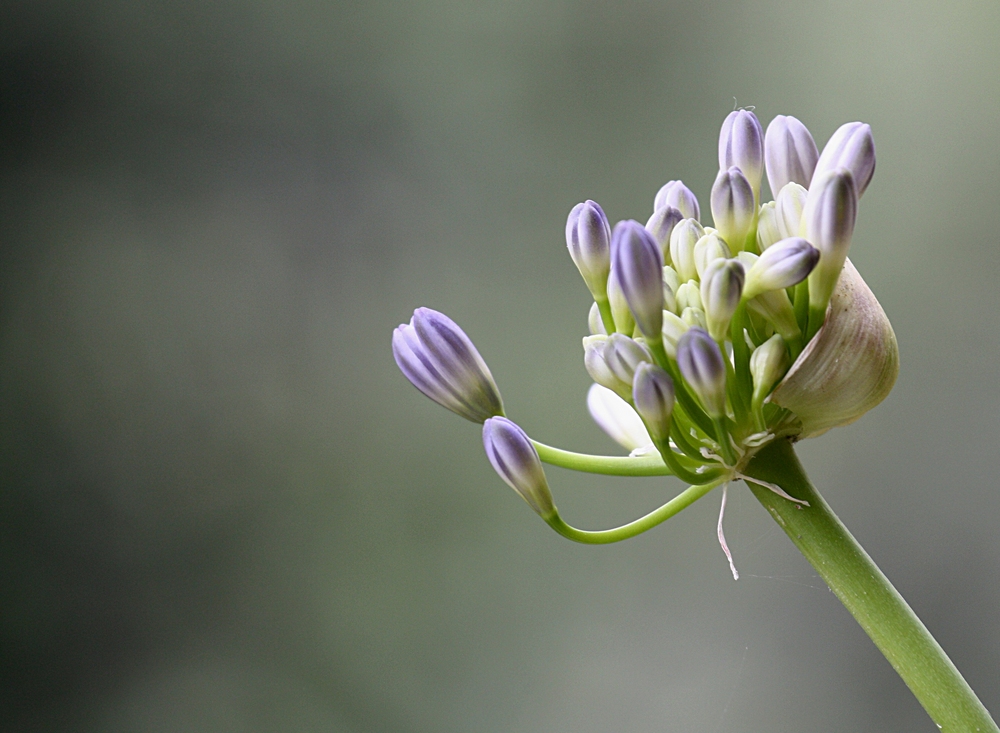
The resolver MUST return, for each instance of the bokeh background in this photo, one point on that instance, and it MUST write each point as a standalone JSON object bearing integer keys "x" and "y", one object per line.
{"x": 223, "y": 509}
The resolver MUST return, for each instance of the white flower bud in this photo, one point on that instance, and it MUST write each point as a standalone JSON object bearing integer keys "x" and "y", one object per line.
{"x": 852, "y": 147}
{"x": 721, "y": 288}
{"x": 689, "y": 295}
{"x": 789, "y": 204}
{"x": 624, "y": 323}
{"x": 790, "y": 153}
{"x": 733, "y": 207}
{"x": 595, "y": 324}
{"x": 683, "y": 238}
{"x": 616, "y": 417}
{"x": 673, "y": 328}
{"x": 694, "y": 317}
{"x": 767, "y": 226}
{"x": 785, "y": 264}
{"x": 708, "y": 249}
{"x": 768, "y": 364}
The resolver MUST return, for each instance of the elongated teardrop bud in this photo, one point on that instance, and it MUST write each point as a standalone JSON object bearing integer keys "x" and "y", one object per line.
{"x": 638, "y": 265}
{"x": 516, "y": 461}
{"x": 588, "y": 238}
{"x": 852, "y": 147}
{"x": 741, "y": 144}
{"x": 653, "y": 396}
{"x": 661, "y": 224}
{"x": 616, "y": 417}
{"x": 721, "y": 287}
{"x": 673, "y": 328}
{"x": 829, "y": 216}
{"x": 733, "y": 207}
{"x": 683, "y": 238}
{"x": 790, "y": 153}
{"x": 680, "y": 197}
{"x": 788, "y": 210}
{"x": 440, "y": 360}
{"x": 783, "y": 265}
{"x": 596, "y": 364}
{"x": 768, "y": 364}
{"x": 709, "y": 248}
{"x": 701, "y": 364}
{"x": 767, "y": 226}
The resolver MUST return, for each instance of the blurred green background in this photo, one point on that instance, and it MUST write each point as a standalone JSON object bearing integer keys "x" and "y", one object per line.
{"x": 222, "y": 508}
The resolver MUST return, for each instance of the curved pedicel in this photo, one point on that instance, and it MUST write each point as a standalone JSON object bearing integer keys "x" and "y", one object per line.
{"x": 849, "y": 366}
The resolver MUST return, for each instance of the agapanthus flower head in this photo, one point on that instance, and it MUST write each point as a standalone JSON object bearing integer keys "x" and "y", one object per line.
{"x": 440, "y": 360}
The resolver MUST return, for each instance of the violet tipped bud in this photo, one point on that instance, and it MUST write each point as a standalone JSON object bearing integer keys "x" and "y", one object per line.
{"x": 653, "y": 396}
{"x": 768, "y": 364}
{"x": 701, "y": 364}
{"x": 683, "y": 238}
{"x": 623, "y": 356}
{"x": 440, "y": 360}
{"x": 852, "y": 147}
{"x": 790, "y": 153}
{"x": 516, "y": 461}
{"x": 741, "y": 144}
{"x": 660, "y": 225}
{"x": 680, "y": 197}
{"x": 828, "y": 219}
{"x": 588, "y": 238}
{"x": 638, "y": 265}
{"x": 783, "y": 265}
{"x": 733, "y": 207}
{"x": 721, "y": 288}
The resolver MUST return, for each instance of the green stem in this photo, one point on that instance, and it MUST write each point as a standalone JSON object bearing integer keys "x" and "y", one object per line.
{"x": 648, "y": 465}
{"x": 602, "y": 537}
{"x": 866, "y": 592}
{"x": 606, "y": 318}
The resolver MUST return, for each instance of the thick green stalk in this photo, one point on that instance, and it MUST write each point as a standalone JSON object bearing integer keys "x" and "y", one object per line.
{"x": 866, "y": 592}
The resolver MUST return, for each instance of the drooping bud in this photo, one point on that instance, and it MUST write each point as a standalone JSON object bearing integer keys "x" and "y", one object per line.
{"x": 660, "y": 225}
{"x": 680, "y": 197}
{"x": 623, "y": 356}
{"x": 783, "y": 265}
{"x": 516, "y": 461}
{"x": 767, "y": 226}
{"x": 624, "y": 323}
{"x": 852, "y": 147}
{"x": 701, "y": 364}
{"x": 741, "y": 144}
{"x": 790, "y": 153}
{"x": 689, "y": 295}
{"x": 616, "y": 417}
{"x": 653, "y": 396}
{"x": 440, "y": 360}
{"x": 683, "y": 238}
{"x": 829, "y": 216}
{"x": 673, "y": 328}
{"x": 733, "y": 207}
{"x": 594, "y": 321}
{"x": 721, "y": 287}
{"x": 768, "y": 364}
{"x": 788, "y": 209}
{"x": 638, "y": 264}
{"x": 709, "y": 248}
{"x": 588, "y": 238}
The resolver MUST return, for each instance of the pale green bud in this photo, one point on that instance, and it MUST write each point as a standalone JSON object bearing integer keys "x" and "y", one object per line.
{"x": 777, "y": 309}
{"x": 767, "y": 226}
{"x": 673, "y": 328}
{"x": 694, "y": 317}
{"x": 595, "y": 323}
{"x": 624, "y": 322}
{"x": 768, "y": 364}
{"x": 721, "y": 287}
{"x": 670, "y": 284}
{"x": 689, "y": 296}
{"x": 683, "y": 238}
{"x": 708, "y": 249}
{"x": 789, "y": 203}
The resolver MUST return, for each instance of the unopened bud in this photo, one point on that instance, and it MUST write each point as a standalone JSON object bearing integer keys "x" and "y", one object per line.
{"x": 852, "y": 147}
{"x": 767, "y": 226}
{"x": 785, "y": 264}
{"x": 660, "y": 225}
{"x": 595, "y": 362}
{"x": 694, "y": 317}
{"x": 638, "y": 264}
{"x": 653, "y": 396}
{"x": 776, "y": 308}
{"x": 670, "y": 284}
{"x": 673, "y": 328}
{"x": 701, "y": 364}
{"x": 624, "y": 323}
{"x": 616, "y": 417}
{"x": 829, "y": 216}
{"x": 689, "y": 295}
{"x": 721, "y": 287}
{"x": 682, "y": 241}
{"x": 515, "y": 459}
{"x": 623, "y": 356}
{"x": 788, "y": 209}
{"x": 741, "y": 144}
{"x": 588, "y": 238}
{"x": 680, "y": 197}
{"x": 594, "y": 321}
{"x": 440, "y": 360}
{"x": 733, "y": 207}
{"x": 790, "y": 153}
{"x": 768, "y": 364}
{"x": 709, "y": 248}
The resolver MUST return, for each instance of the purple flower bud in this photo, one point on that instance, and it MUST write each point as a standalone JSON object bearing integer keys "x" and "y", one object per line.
{"x": 682, "y": 241}
{"x": 660, "y": 225}
{"x": 440, "y": 360}
{"x": 598, "y": 369}
{"x": 733, "y": 207}
{"x": 588, "y": 238}
{"x": 852, "y": 147}
{"x": 784, "y": 264}
{"x": 721, "y": 287}
{"x": 829, "y": 216}
{"x": 515, "y": 459}
{"x": 741, "y": 144}
{"x": 702, "y": 366}
{"x": 653, "y": 395}
{"x": 623, "y": 356}
{"x": 790, "y": 153}
{"x": 638, "y": 265}
{"x": 680, "y": 197}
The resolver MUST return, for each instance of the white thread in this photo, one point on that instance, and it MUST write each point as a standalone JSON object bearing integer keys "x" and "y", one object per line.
{"x": 722, "y": 536}
{"x": 773, "y": 487}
